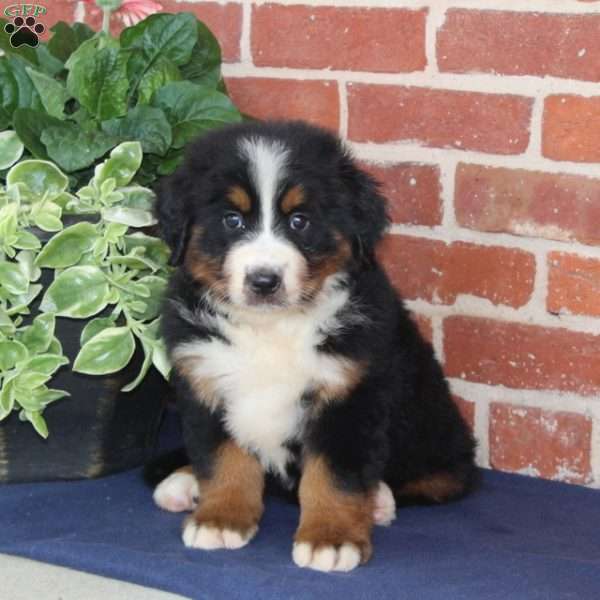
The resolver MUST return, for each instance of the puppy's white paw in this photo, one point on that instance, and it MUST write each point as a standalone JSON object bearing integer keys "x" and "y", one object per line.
{"x": 178, "y": 492}
{"x": 326, "y": 558}
{"x": 385, "y": 505}
{"x": 213, "y": 538}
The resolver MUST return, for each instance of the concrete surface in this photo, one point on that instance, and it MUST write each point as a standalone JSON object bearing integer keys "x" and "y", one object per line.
{"x": 24, "y": 579}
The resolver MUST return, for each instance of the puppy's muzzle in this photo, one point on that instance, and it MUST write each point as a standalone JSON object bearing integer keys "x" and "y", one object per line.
{"x": 263, "y": 282}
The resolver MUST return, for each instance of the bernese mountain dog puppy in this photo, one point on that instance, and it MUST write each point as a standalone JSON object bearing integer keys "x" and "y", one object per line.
{"x": 293, "y": 357}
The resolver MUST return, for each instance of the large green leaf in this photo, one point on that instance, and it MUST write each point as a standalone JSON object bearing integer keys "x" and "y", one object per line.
{"x": 161, "y": 72}
{"x": 29, "y": 125}
{"x": 42, "y": 178}
{"x": 53, "y": 94}
{"x": 162, "y": 35}
{"x": 99, "y": 82}
{"x": 67, "y": 38}
{"x": 67, "y": 247}
{"x": 11, "y": 149}
{"x": 204, "y": 66}
{"x": 192, "y": 109}
{"x": 48, "y": 63}
{"x": 27, "y": 96}
{"x": 78, "y": 292}
{"x": 107, "y": 352}
{"x": 74, "y": 148}
{"x": 145, "y": 124}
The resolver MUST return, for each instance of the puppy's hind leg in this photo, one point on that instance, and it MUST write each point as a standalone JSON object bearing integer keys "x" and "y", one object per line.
{"x": 384, "y": 507}
{"x": 178, "y": 492}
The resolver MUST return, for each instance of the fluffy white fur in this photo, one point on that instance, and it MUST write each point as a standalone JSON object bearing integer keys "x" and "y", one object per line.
{"x": 211, "y": 538}
{"x": 266, "y": 250}
{"x": 327, "y": 558}
{"x": 262, "y": 373}
{"x": 178, "y": 492}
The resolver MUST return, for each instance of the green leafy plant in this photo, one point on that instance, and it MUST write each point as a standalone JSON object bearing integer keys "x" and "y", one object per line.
{"x": 77, "y": 97}
{"x": 104, "y": 269}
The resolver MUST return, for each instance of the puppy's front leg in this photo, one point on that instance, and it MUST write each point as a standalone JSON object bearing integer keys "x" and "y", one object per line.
{"x": 231, "y": 502}
{"x": 335, "y": 525}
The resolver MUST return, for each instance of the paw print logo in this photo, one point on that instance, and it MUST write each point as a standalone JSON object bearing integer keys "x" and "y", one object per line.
{"x": 24, "y": 32}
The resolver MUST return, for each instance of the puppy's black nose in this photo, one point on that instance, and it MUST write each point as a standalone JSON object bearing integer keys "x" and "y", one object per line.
{"x": 263, "y": 281}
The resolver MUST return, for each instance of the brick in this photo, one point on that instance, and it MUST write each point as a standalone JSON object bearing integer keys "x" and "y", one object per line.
{"x": 58, "y": 10}
{"x": 425, "y": 326}
{"x": 358, "y": 39}
{"x": 573, "y": 284}
{"x": 439, "y": 272}
{"x": 543, "y": 443}
{"x": 413, "y": 192}
{"x": 521, "y": 356}
{"x": 530, "y": 203}
{"x": 497, "y": 123}
{"x": 265, "y": 98}
{"x": 571, "y": 128}
{"x": 520, "y": 43}
{"x": 224, "y": 20}
{"x": 467, "y": 410}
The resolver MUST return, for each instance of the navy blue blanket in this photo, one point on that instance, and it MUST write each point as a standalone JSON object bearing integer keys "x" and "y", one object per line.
{"x": 515, "y": 538}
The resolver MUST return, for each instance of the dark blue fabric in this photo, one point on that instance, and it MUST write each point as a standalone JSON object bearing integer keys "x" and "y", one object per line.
{"x": 516, "y": 538}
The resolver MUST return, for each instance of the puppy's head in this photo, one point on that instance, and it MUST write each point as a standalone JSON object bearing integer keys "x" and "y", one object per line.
{"x": 263, "y": 214}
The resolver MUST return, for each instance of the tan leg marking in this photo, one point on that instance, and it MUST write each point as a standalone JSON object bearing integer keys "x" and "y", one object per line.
{"x": 439, "y": 487}
{"x": 231, "y": 503}
{"x": 335, "y": 526}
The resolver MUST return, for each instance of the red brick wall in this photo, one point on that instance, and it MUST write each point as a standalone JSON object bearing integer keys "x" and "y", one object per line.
{"x": 482, "y": 120}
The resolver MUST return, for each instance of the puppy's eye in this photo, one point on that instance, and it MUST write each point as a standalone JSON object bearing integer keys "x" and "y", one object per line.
{"x": 233, "y": 221}
{"x": 299, "y": 222}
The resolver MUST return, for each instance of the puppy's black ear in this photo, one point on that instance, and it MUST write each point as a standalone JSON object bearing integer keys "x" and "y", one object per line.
{"x": 172, "y": 210}
{"x": 368, "y": 208}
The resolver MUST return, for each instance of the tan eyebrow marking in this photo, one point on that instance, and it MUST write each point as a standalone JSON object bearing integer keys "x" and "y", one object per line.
{"x": 240, "y": 199}
{"x": 292, "y": 199}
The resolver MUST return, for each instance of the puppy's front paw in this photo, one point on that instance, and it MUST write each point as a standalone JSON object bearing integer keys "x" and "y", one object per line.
{"x": 327, "y": 557}
{"x": 208, "y": 537}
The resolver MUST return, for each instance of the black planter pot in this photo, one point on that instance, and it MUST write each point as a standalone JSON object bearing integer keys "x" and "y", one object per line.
{"x": 96, "y": 431}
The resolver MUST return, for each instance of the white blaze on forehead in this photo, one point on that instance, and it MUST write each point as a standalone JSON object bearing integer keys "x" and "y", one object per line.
{"x": 266, "y": 165}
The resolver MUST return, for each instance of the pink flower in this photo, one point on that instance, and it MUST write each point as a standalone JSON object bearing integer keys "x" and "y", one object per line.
{"x": 134, "y": 11}
{"x": 131, "y": 11}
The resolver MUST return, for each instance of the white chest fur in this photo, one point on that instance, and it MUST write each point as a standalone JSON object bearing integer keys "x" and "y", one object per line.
{"x": 261, "y": 375}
